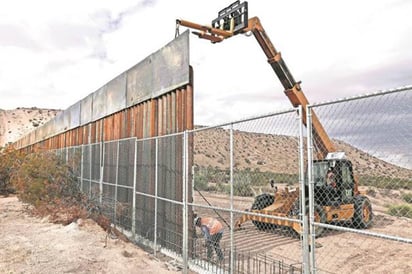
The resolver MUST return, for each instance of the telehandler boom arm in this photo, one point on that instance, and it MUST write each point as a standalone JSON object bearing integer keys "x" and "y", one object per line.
{"x": 233, "y": 20}
{"x": 292, "y": 88}
{"x": 341, "y": 204}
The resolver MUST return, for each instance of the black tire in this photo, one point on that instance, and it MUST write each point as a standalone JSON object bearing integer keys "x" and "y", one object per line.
{"x": 319, "y": 216}
{"x": 262, "y": 201}
{"x": 363, "y": 216}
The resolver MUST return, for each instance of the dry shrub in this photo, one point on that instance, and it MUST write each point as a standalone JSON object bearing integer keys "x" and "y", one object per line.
{"x": 43, "y": 180}
{"x": 10, "y": 160}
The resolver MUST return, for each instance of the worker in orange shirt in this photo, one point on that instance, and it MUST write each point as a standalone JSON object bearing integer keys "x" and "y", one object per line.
{"x": 212, "y": 230}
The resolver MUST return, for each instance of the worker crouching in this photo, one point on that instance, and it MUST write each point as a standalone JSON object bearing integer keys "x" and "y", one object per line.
{"x": 212, "y": 231}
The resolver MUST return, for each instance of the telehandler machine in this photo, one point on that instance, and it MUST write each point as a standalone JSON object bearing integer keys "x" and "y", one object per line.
{"x": 336, "y": 195}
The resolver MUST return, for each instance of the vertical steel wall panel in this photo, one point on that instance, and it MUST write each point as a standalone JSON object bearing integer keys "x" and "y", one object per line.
{"x": 74, "y": 115}
{"x": 170, "y": 65}
{"x": 139, "y": 82}
{"x": 58, "y": 123}
{"x": 115, "y": 94}
{"x": 86, "y": 111}
{"x": 165, "y": 70}
{"x": 99, "y": 104}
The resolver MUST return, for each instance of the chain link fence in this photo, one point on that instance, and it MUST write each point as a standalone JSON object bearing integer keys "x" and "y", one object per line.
{"x": 286, "y": 205}
{"x": 362, "y": 201}
{"x": 236, "y": 173}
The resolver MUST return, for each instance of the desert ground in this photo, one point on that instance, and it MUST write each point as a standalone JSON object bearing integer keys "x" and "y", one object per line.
{"x": 33, "y": 245}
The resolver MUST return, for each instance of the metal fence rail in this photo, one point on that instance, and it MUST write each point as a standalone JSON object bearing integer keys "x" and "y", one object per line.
{"x": 151, "y": 188}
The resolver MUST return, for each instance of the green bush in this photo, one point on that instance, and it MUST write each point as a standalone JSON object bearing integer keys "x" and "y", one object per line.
{"x": 407, "y": 197}
{"x": 212, "y": 188}
{"x": 242, "y": 184}
{"x": 244, "y": 179}
{"x": 223, "y": 188}
{"x": 201, "y": 182}
{"x": 404, "y": 210}
{"x": 385, "y": 182}
{"x": 242, "y": 188}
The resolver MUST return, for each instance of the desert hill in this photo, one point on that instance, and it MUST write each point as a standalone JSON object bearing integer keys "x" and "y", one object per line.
{"x": 278, "y": 154}
{"x": 15, "y": 123}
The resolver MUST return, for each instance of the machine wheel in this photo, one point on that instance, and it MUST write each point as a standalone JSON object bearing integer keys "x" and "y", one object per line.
{"x": 363, "y": 213}
{"x": 262, "y": 201}
{"x": 319, "y": 216}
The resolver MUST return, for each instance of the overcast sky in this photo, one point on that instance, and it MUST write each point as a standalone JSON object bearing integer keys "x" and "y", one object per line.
{"x": 54, "y": 53}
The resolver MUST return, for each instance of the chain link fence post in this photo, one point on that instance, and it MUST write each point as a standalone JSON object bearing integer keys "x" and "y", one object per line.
{"x": 311, "y": 244}
{"x": 134, "y": 191}
{"x": 81, "y": 167}
{"x": 185, "y": 180}
{"x": 304, "y": 216}
{"x": 232, "y": 236}
{"x": 101, "y": 166}
{"x": 156, "y": 194}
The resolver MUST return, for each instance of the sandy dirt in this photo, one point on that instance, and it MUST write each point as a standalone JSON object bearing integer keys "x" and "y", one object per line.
{"x": 32, "y": 245}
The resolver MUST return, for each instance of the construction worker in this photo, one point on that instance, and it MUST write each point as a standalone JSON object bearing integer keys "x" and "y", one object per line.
{"x": 331, "y": 185}
{"x": 212, "y": 231}
{"x": 331, "y": 178}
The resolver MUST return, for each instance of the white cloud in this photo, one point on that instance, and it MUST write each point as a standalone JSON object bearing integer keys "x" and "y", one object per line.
{"x": 54, "y": 53}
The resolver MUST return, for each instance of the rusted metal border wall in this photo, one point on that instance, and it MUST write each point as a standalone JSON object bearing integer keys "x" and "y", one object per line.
{"x": 153, "y": 98}
{"x": 169, "y": 113}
